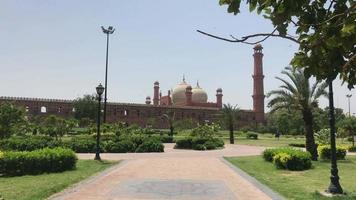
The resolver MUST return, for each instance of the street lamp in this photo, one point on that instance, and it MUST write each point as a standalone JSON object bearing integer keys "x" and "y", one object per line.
{"x": 349, "y": 97}
{"x": 108, "y": 31}
{"x": 99, "y": 91}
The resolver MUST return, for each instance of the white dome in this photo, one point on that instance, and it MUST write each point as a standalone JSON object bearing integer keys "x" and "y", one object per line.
{"x": 178, "y": 94}
{"x": 199, "y": 95}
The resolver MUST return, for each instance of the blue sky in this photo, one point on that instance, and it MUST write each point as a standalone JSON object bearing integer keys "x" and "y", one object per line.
{"x": 55, "y": 49}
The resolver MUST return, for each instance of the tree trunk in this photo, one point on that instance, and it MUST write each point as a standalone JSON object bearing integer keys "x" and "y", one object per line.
{"x": 309, "y": 135}
{"x": 171, "y": 130}
{"x": 231, "y": 134}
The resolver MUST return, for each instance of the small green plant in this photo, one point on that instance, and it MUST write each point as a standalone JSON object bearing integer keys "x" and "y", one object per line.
{"x": 294, "y": 160}
{"x": 323, "y": 136}
{"x": 325, "y": 152}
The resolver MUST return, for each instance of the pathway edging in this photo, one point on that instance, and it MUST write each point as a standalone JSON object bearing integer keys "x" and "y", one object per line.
{"x": 77, "y": 186}
{"x": 272, "y": 194}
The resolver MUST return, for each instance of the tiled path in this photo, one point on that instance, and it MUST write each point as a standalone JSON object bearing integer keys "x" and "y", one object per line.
{"x": 175, "y": 174}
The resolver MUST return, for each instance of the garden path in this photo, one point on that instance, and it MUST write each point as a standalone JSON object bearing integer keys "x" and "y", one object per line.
{"x": 175, "y": 174}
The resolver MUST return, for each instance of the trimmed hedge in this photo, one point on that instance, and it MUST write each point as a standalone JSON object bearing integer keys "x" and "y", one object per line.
{"x": 324, "y": 152}
{"x": 81, "y": 144}
{"x": 252, "y": 135}
{"x": 28, "y": 143}
{"x": 14, "y": 163}
{"x": 199, "y": 143}
{"x": 288, "y": 158}
{"x": 150, "y": 145}
{"x": 301, "y": 145}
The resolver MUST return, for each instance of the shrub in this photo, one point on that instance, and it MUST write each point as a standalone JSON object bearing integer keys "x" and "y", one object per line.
{"x": 268, "y": 154}
{"x": 166, "y": 139}
{"x": 252, "y": 135}
{"x": 294, "y": 160}
{"x": 123, "y": 146}
{"x": 14, "y": 163}
{"x": 28, "y": 143}
{"x": 81, "y": 144}
{"x": 352, "y": 149}
{"x": 150, "y": 145}
{"x": 184, "y": 143}
{"x": 297, "y": 145}
{"x": 325, "y": 152}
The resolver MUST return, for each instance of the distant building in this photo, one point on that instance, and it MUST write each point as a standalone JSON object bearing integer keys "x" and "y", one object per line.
{"x": 183, "y": 100}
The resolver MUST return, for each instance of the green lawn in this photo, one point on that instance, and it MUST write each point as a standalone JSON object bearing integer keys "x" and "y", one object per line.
{"x": 300, "y": 185}
{"x": 44, "y": 185}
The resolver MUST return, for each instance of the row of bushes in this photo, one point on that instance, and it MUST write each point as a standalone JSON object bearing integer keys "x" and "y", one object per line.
{"x": 324, "y": 152}
{"x": 87, "y": 144}
{"x": 288, "y": 158}
{"x": 199, "y": 143}
{"x": 14, "y": 163}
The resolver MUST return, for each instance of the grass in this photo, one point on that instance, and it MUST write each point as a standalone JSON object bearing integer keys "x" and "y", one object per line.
{"x": 44, "y": 185}
{"x": 300, "y": 185}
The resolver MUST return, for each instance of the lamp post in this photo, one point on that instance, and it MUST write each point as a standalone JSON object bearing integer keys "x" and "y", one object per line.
{"x": 99, "y": 91}
{"x": 108, "y": 31}
{"x": 349, "y": 97}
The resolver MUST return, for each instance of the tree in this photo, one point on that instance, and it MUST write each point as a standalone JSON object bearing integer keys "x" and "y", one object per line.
{"x": 230, "y": 115}
{"x": 326, "y": 34}
{"x": 170, "y": 117}
{"x": 56, "y": 126}
{"x": 11, "y": 117}
{"x": 86, "y": 107}
{"x": 286, "y": 121}
{"x": 300, "y": 96}
{"x": 348, "y": 126}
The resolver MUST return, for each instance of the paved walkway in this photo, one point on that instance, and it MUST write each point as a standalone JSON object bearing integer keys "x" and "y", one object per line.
{"x": 175, "y": 174}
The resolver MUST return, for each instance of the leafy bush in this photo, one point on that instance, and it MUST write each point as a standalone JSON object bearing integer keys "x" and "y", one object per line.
{"x": 252, "y": 135}
{"x": 14, "y": 163}
{"x": 184, "y": 143}
{"x": 199, "y": 143}
{"x": 294, "y": 160}
{"x": 28, "y": 143}
{"x": 301, "y": 145}
{"x": 352, "y": 148}
{"x": 323, "y": 136}
{"x": 123, "y": 146}
{"x": 150, "y": 145}
{"x": 325, "y": 152}
{"x": 81, "y": 144}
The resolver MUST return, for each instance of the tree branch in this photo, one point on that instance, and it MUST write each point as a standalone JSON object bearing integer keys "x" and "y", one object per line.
{"x": 247, "y": 37}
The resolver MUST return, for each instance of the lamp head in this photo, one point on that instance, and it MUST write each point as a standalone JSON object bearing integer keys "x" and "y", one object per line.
{"x": 100, "y": 89}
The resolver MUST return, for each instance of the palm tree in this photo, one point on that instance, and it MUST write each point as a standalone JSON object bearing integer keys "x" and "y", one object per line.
{"x": 170, "y": 116}
{"x": 230, "y": 113}
{"x": 298, "y": 95}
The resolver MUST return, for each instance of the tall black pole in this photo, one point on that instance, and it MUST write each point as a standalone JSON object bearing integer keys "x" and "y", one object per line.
{"x": 106, "y": 75}
{"x": 97, "y": 153}
{"x": 334, "y": 187}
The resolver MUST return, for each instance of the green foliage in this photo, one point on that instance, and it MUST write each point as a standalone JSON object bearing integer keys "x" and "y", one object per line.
{"x": 123, "y": 146}
{"x": 296, "y": 160}
{"x": 85, "y": 122}
{"x": 352, "y": 149}
{"x": 11, "y": 117}
{"x": 285, "y": 121}
{"x": 199, "y": 143}
{"x": 252, "y": 135}
{"x": 150, "y": 145}
{"x": 81, "y": 144}
{"x": 28, "y": 143}
{"x": 86, "y": 107}
{"x": 325, "y": 152}
{"x": 288, "y": 158}
{"x": 297, "y": 145}
{"x": 230, "y": 115}
{"x": 205, "y": 130}
{"x": 323, "y": 136}
{"x": 36, "y": 162}
{"x": 347, "y": 128}
{"x": 56, "y": 126}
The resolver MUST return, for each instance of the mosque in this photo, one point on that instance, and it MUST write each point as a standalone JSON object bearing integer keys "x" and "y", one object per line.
{"x": 184, "y": 101}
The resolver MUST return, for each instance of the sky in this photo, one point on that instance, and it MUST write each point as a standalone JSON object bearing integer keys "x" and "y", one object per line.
{"x": 56, "y": 49}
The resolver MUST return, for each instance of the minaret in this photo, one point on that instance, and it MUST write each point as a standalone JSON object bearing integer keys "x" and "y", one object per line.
{"x": 219, "y": 98}
{"x": 258, "y": 91}
{"x": 156, "y": 93}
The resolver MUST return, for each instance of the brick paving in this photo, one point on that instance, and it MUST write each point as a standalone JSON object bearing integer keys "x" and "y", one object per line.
{"x": 175, "y": 174}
